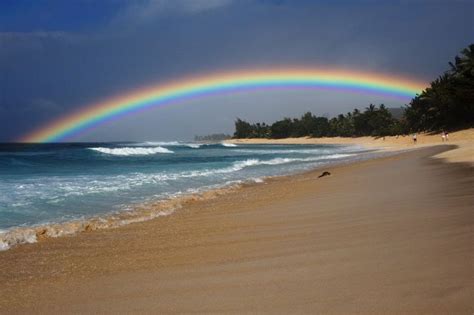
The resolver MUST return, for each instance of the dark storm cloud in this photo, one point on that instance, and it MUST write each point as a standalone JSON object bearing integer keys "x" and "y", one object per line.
{"x": 144, "y": 42}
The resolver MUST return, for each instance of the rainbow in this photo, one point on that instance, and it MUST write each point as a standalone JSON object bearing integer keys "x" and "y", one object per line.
{"x": 116, "y": 107}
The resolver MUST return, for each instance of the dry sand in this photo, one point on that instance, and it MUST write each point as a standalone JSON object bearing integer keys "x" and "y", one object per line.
{"x": 392, "y": 235}
{"x": 464, "y": 139}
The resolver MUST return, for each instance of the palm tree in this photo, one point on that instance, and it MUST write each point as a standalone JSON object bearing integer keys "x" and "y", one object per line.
{"x": 370, "y": 109}
{"x": 464, "y": 64}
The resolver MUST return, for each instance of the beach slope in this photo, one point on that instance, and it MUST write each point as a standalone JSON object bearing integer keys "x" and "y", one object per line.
{"x": 391, "y": 235}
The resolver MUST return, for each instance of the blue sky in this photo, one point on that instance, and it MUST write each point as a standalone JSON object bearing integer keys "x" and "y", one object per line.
{"x": 57, "y": 56}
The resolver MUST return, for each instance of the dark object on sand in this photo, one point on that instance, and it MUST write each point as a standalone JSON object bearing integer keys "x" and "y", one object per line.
{"x": 324, "y": 174}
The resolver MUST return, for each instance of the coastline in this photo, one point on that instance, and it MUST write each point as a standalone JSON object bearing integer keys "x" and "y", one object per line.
{"x": 140, "y": 212}
{"x": 352, "y": 242}
{"x": 464, "y": 139}
{"x": 23, "y": 235}
{"x": 464, "y": 152}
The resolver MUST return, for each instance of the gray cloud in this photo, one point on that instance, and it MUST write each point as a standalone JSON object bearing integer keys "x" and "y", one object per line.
{"x": 30, "y": 42}
{"x": 154, "y": 7}
{"x": 145, "y": 12}
{"x": 186, "y": 38}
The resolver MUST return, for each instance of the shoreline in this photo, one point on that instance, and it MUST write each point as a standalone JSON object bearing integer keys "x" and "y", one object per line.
{"x": 19, "y": 236}
{"x": 464, "y": 139}
{"x": 22, "y": 235}
{"x": 296, "y": 238}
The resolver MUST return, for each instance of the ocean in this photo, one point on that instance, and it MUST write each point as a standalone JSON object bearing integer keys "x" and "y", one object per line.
{"x": 57, "y": 189}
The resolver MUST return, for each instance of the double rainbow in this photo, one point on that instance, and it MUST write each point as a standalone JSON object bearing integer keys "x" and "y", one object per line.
{"x": 116, "y": 107}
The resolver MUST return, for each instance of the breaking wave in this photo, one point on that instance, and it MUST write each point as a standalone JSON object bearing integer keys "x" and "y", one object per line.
{"x": 277, "y": 161}
{"x": 147, "y": 211}
{"x": 126, "y": 151}
{"x": 170, "y": 144}
{"x": 160, "y": 143}
{"x": 193, "y": 145}
{"x": 82, "y": 187}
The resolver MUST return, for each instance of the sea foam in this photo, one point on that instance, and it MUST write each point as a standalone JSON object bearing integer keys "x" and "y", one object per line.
{"x": 169, "y": 144}
{"x": 126, "y": 151}
{"x": 138, "y": 213}
{"x": 239, "y": 165}
{"x": 229, "y": 145}
{"x": 83, "y": 187}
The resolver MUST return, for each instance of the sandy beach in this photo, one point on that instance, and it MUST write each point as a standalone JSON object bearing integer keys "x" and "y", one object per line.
{"x": 391, "y": 235}
{"x": 464, "y": 140}
{"x": 232, "y": 157}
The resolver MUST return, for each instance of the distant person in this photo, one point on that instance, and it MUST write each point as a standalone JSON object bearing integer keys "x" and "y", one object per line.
{"x": 446, "y": 136}
{"x": 414, "y": 138}
{"x": 443, "y": 136}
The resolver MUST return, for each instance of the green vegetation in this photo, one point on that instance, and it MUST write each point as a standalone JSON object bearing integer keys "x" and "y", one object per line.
{"x": 446, "y": 105}
{"x": 374, "y": 121}
{"x": 449, "y": 101}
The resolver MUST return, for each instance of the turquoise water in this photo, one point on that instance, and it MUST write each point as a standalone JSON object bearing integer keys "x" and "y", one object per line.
{"x": 50, "y": 183}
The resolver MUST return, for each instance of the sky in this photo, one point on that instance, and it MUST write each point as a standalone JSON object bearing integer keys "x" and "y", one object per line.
{"x": 58, "y": 56}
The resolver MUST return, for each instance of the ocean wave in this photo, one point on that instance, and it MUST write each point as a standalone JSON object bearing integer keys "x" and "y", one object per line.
{"x": 57, "y": 189}
{"x": 126, "y": 151}
{"x": 138, "y": 213}
{"x": 29, "y": 235}
{"x": 168, "y": 144}
{"x": 277, "y": 161}
{"x": 335, "y": 156}
{"x": 160, "y": 143}
{"x": 64, "y": 186}
{"x": 193, "y": 145}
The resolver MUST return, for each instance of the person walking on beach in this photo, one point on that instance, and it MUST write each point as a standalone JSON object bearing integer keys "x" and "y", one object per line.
{"x": 443, "y": 136}
{"x": 446, "y": 136}
{"x": 414, "y": 138}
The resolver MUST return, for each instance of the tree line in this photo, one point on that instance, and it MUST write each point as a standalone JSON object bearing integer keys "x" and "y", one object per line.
{"x": 447, "y": 104}
{"x": 374, "y": 121}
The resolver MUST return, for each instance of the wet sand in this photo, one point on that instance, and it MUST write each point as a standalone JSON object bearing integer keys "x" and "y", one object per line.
{"x": 391, "y": 235}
